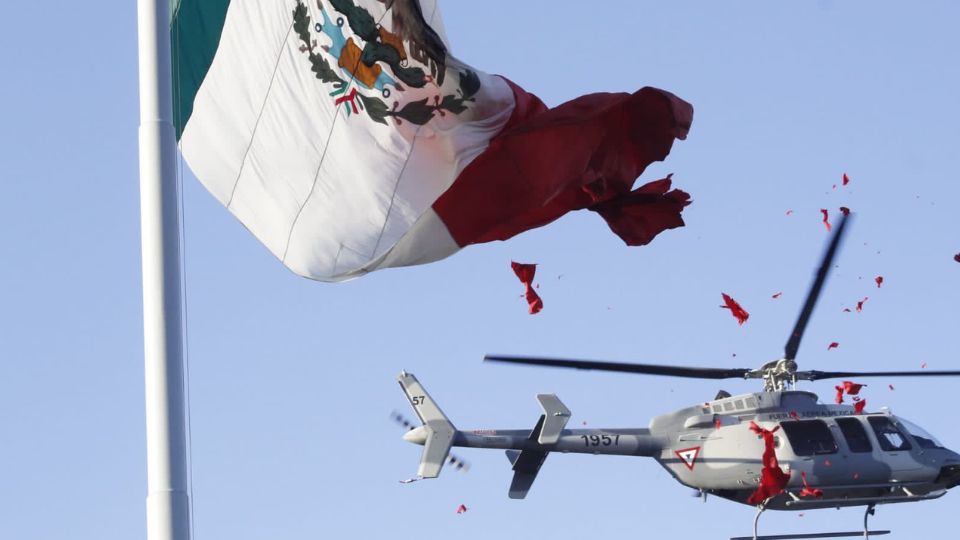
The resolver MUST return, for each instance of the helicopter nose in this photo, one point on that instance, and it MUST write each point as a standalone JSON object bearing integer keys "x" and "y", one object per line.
{"x": 416, "y": 435}
{"x": 950, "y": 472}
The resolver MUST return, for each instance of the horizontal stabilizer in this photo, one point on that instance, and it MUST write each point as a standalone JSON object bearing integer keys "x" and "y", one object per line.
{"x": 439, "y": 431}
{"x": 527, "y": 464}
{"x": 812, "y": 535}
{"x": 556, "y": 415}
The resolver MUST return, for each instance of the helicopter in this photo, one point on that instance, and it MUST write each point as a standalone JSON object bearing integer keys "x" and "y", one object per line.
{"x": 778, "y": 449}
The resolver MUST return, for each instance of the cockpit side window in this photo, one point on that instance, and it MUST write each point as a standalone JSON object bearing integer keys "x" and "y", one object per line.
{"x": 855, "y": 435}
{"x": 809, "y": 437}
{"x": 889, "y": 437}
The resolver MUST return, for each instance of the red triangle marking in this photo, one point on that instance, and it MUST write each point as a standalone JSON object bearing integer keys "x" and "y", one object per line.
{"x": 688, "y": 456}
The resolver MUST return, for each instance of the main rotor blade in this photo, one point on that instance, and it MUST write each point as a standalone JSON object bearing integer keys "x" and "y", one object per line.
{"x": 815, "y": 375}
{"x": 647, "y": 369}
{"x": 793, "y": 344}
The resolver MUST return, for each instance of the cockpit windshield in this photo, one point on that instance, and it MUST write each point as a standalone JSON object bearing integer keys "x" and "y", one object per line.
{"x": 923, "y": 437}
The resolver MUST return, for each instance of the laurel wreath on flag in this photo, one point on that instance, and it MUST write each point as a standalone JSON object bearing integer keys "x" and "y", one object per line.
{"x": 416, "y": 112}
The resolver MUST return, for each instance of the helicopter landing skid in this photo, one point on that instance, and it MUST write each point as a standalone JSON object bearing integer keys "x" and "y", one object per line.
{"x": 865, "y": 533}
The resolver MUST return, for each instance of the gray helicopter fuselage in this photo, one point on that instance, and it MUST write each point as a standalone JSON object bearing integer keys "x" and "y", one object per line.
{"x": 855, "y": 459}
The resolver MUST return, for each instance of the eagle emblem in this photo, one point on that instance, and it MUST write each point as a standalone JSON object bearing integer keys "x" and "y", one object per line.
{"x": 373, "y": 65}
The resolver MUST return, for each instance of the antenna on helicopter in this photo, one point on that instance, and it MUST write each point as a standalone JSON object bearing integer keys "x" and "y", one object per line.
{"x": 777, "y": 375}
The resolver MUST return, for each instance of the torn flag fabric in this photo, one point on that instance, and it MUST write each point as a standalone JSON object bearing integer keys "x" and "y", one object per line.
{"x": 852, "y": 388}
{"x": 735, "y": 309}
{"x": 526, "y": 272}
{"x": 772, "y": 478}
{"x": 346, "y": 136}
{"x": 808, "y": 491}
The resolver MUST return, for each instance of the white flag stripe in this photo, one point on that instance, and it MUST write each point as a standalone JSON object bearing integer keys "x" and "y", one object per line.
{"x": 328, "y": 190}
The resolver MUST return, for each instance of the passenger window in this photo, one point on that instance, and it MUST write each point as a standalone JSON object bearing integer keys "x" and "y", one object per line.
{"x": 810, "y": 437}
{"x": 855, "y": 434}
{"x": 888, "y": 435}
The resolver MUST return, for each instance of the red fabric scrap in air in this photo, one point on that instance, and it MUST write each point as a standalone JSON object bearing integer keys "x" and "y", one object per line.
{"x": 879, "y": 280}
{"x": 777, "y": 295}
{"x": 957, "y": 257}
{"x": 808, "y": 491}
{"x": 923, "y": 365}
{"x": 461, "y": 509}
{"x": 525, "y": 273}
{"x": 826, "y": 218}
{"x": 839, "y": 398}
{"x": 890, "y": 386}
{"x": 846, "y": 310}
{"x": 852, "y": 388}
{"x": 772, "y": 478}
{"x": 858, "y": 406}
{"x": 844, "y": 210}
{"x": 833, "y": 345}
{"x": 789, "y": 212}
{"x": 860, "y": 303}
{"x": 846, "y": 179}
{"x": 735, "y": 308}
{"x": 794, "y": 415}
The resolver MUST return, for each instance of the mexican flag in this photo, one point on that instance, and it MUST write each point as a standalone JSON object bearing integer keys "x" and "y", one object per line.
{"x": 347, "y": 136}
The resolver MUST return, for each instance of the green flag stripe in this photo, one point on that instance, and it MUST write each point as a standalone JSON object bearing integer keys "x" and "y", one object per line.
{"x": 194, "y": 36}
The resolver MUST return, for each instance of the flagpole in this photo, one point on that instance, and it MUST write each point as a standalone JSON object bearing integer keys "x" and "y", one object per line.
{"x": 168, "y": 500}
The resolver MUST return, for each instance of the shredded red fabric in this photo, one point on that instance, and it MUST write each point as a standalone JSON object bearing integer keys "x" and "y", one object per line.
{"x": 852, "y": 388}
{"x": 640, "y": 215}
{"x": 772, "y": 478}
{"x": 789, "y": 212}
{"x": 580, "y": 154}
{"x": 461, "y": 509}
{"x": 923, "y": 365}
{"x": 839, "y": 398}
{"x": 826, "y": 219}
{"x": 860, "y": 303}
{"x": 735, "y": 309}
{"x": 525, "y": 273}
{"x": 808, "y": 491}
{"x": 847, "y": 310}
{"x": 846, "y": 179}
{"x": 879, "y": 280}
{"x": 957, "y": 257}
{"x": 858, "y": 406}
{"x": 777, "y": 295}
{"x": 844, "y": 210}
{"x": 890, "y": 386}
{"x": 794, "y": 415}
{"x": 833, "y": 345}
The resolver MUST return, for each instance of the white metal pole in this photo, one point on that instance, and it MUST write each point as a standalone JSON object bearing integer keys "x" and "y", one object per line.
{"x": 168, "y": 502}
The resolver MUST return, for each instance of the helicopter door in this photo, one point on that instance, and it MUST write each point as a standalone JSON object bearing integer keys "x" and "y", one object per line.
{"x": 893, "y": 445}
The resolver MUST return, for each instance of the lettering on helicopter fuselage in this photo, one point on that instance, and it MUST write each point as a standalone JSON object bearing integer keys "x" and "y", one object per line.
{"x": 600, "y": 440}
{"x": 793, "y": 415}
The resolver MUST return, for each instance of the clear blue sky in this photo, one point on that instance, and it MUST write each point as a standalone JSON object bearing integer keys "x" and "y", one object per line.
{"x": 292, "y": 381}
